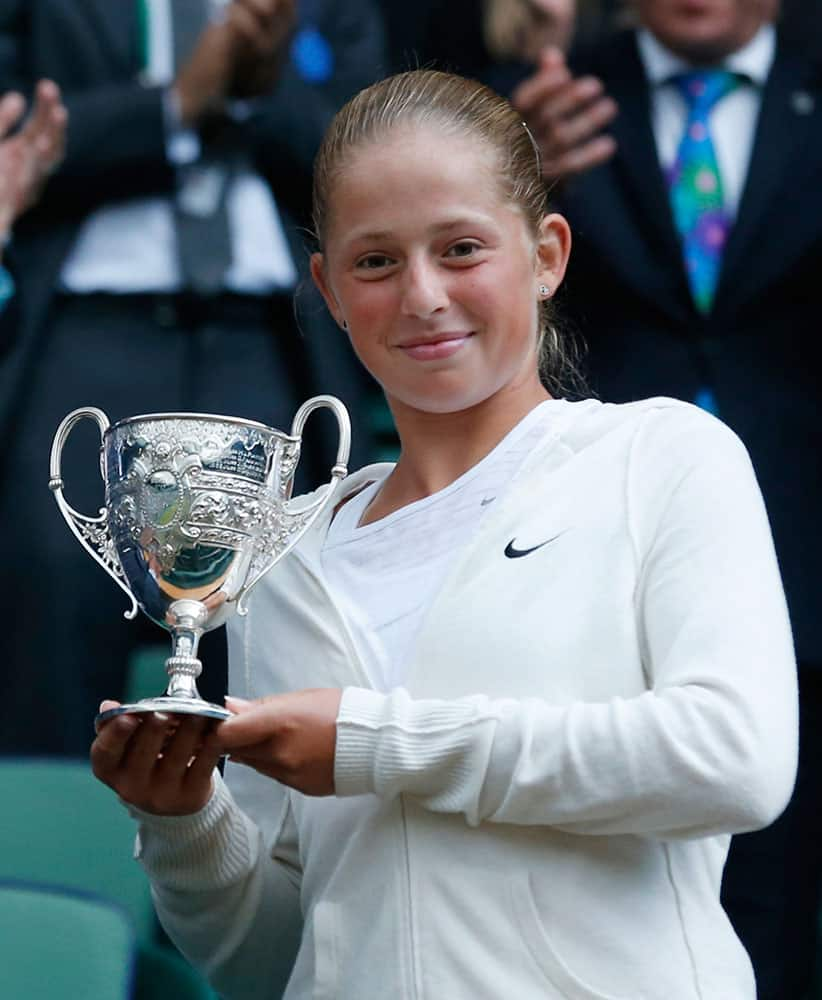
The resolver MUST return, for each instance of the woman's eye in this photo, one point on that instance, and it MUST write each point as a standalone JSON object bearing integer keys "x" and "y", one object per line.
{"x": 374, "y": 262}
{"x": 462, "y": 250}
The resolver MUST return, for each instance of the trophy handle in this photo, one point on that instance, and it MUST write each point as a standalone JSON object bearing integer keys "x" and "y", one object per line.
{"x": 91, "y": 532}
{"x": 302, "y": 517}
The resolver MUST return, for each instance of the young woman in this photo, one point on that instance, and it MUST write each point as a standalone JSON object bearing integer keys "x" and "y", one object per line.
{"x": 517, "y": 690}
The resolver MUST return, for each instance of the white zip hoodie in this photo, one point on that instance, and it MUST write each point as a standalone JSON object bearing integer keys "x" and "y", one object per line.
{"x": 545, "y": 810}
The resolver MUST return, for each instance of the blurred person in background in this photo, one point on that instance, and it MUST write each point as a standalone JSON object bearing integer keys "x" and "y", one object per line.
{"x": 687, "y": 155}
{"x": 158, "y": 273}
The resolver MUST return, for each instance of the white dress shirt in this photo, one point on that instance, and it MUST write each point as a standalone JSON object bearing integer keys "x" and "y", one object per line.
{"x": 132, "y": 246}
{"x": 733, "y": 118}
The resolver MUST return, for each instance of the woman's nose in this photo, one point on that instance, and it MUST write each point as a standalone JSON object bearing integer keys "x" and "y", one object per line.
{"x": 425, "y": 291}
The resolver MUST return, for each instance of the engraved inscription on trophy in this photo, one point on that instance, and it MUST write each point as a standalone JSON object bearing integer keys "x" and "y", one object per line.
{"x": 197, "y": 509}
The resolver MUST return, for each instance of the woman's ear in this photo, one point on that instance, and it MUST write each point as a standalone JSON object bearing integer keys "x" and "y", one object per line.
{"x": 553, "y": 250}
{"x": 320, "y": 280}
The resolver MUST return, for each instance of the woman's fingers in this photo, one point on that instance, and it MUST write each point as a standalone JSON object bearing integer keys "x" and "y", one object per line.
{"x": 253, "y": 722}
{"x": 201, "y": 768}
{"x": 183, "y": 743}
{"x": 111, "y": 745}
{"x": 106, "y": 705}
{"x": 159, "y": 763}
{"x": 148, "y": 743}
{"x": 290, "y": 737}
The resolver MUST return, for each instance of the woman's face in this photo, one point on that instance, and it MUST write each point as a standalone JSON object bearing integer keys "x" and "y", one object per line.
{"x": 435, "y": 274}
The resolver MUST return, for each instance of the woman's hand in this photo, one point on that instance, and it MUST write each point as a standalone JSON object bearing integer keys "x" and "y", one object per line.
{"x": 289, "y": 737}
{"x": 162, "y": 764}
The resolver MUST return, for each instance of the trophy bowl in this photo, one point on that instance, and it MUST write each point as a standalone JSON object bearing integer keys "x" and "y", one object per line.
{"x": 197, "y": 509}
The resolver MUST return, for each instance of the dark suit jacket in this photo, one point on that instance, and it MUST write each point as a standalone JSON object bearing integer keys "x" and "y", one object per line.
{"x": 116, "y": 141}
{"x": 626, "y": 291}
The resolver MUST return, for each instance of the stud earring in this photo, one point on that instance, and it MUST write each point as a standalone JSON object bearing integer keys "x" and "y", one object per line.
{"x": 544, "y": 291}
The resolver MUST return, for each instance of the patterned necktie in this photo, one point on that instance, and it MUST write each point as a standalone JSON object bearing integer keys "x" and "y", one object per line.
{"x": 695, "y": 185}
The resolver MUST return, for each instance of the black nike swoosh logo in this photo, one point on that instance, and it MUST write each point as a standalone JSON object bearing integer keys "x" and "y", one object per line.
{"x": 514, "y": 553}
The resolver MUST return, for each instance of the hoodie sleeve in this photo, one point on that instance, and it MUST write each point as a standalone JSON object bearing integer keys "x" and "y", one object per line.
{"x": 228, "y": 902}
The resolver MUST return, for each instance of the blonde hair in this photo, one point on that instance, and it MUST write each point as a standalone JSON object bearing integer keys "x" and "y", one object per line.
{"x": 457, "y": 106}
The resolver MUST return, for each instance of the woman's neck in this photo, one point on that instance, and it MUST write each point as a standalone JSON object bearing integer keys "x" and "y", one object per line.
{"x": 437, "y": 448}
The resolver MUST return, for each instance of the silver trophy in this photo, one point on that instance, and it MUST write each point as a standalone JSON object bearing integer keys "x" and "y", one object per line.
{"x": 197, "y": 509}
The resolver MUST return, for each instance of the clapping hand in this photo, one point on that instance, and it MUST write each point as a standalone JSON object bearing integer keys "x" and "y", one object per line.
{"x": 566, "y": 116}
{"x": 262, "y": 29}
{"x": 28, "y": 157}
{"x": 238, "y": 55}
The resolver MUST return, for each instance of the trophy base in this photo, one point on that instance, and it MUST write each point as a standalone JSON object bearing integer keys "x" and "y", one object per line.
{"x": 169, "y": 705}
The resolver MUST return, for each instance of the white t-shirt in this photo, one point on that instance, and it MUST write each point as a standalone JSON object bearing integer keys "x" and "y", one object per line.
{"x": 386, "y": 574}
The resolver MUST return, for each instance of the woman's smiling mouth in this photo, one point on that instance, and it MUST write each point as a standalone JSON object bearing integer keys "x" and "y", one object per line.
{"x": 435, "y": 348}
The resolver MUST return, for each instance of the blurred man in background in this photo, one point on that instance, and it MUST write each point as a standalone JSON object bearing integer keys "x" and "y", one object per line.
{"x": 157, "y": 273}
{"x": 687, "y": 157}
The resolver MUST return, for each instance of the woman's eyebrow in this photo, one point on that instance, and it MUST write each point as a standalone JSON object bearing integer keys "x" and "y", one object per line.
{"x": 384, "y": 234}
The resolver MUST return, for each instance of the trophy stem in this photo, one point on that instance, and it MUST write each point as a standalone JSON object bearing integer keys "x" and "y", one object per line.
{"x": 186, "y": 619}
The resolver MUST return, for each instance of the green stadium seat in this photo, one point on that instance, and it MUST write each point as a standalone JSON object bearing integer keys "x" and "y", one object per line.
{"x": 63, "y": 828}
{"x": 56, "y": 944}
